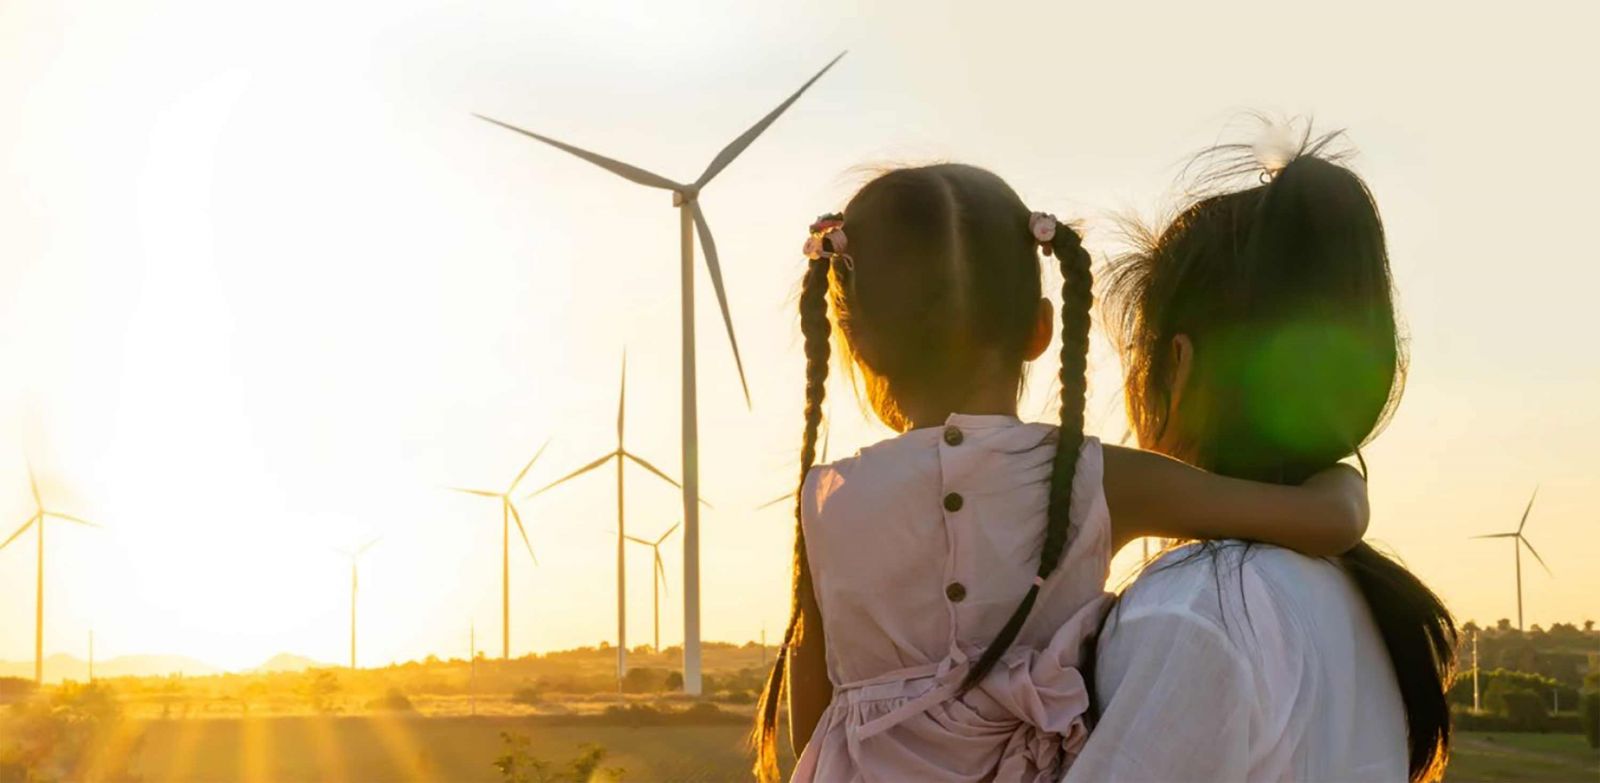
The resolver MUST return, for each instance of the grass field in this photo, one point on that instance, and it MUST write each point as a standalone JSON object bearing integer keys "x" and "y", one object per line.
{"x": 416, "y": 748}
{"x": 1482, "y": 757}
{"x": 382, "y": 748}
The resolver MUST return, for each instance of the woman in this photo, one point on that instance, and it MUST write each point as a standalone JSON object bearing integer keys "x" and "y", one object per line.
{"x": 1260, "y": 341}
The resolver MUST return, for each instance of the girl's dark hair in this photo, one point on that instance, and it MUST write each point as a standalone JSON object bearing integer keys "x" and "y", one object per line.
{"x": 942, "y": 284}
{"x": 1283, "y": 290}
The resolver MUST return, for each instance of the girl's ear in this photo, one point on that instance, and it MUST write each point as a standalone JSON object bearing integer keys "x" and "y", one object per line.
{"x": 1043, "y": 327}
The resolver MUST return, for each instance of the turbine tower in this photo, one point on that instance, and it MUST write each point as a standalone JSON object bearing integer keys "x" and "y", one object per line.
{"x": 660, "y": 582}
{"x": 508, "y": 512}
{"x": 621, "y": 455}
{"x": 354, "y": 555}
{"x": 686, "y": 197}
{"x": 40, "y": 516}
{"x": 1520, "y": 541}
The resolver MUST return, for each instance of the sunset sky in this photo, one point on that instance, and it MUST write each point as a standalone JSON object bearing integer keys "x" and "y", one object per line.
{"x": 266, "y": 286}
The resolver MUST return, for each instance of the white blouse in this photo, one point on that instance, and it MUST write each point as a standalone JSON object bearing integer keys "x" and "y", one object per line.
{"x": 1259, "y": 664}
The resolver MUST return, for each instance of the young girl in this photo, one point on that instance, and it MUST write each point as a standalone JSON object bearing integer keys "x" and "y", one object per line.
{"x": 947, "y": 580}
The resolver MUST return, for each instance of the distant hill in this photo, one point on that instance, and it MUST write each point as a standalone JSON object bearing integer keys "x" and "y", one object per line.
{"x": 287, "y": 662}
{"x": 60, "y": 667}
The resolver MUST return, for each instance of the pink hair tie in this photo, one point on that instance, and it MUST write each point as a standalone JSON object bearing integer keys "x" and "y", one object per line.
{"x": 1042, "y": 225}
{"x": 827, "y": 240}
{"x": 1038, "y": 581}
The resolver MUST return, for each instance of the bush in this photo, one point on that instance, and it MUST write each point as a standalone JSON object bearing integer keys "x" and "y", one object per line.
{"x": 392, "y": 701}
{"x": 16, "y": 689}
{"x": 1520, "y": 705}
{"x": 528, "y": 695}
{"x": 1589, "y": 716}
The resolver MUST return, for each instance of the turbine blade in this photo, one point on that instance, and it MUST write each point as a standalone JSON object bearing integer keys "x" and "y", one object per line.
{"x": 20, "y": 530}
{"x": 1526, "y": 511}
{"x": 661, "y": 571}
{"x": 366, "y": 546}
{"x": 709, "y": 247}
{"x": 775, "y": 501}
{"x": 622, "y": 397}
{"x": 69, "y": 518}
{"x": 574, "y": 474}
{"x": 1535, "y": 554}
{"x": 827, "y": 435}
{"x": 1498, "y": 535}
{"x": 653, "y": 469}
{"x": 738, "y": 145}
{"x": 33, "y": 484}
{"x": 668, "y": 533}
{"x": 479, "y": 492}
{"x": 637, "y": 540}
{"x": 617, "y": 167}
{"x": 524, "y": 531}
{"x": 527, "y": 467}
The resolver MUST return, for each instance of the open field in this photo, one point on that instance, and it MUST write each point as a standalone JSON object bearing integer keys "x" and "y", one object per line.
{"x": 1481, "y": 757}
{"x": 381, "y": 748}
{"x": 414, "y": 748}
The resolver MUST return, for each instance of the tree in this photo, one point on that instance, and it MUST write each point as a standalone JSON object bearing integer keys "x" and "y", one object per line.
{"x": 319, "y": 690}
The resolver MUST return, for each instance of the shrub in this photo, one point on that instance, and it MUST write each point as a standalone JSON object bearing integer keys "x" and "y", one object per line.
{"x": 1589, "y": 716}
{"x": 517, "y": 764}
{"x": 1520, "y": 705}
{"x": 16, "y": 689}
{"x": 392, "y": 701}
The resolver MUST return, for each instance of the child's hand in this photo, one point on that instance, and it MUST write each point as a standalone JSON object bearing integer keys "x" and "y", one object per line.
{"x": 1344, "y": 491}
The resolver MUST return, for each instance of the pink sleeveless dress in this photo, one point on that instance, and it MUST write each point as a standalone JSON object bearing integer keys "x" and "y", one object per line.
{"x": 920, "y": 548}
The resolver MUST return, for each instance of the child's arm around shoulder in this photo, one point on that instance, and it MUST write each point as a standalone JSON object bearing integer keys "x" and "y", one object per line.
{"x": 1153, "y": 495}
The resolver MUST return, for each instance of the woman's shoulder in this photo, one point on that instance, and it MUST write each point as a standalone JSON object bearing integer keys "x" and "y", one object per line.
{"x": 1231, "y": 585}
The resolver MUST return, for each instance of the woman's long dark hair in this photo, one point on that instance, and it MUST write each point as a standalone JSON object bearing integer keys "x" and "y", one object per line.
{"x": 942, "y": 283}
{"x": 1283, "y": 290}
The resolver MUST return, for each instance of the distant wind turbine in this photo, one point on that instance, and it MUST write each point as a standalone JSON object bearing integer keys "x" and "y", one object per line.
{"x": 686, "y": 197}
{"x": 40, "y": 515}
{"x": 660, "y": 581}
{"x": 508, "y": 512}
{"x": 1517, "y": 545}
{"x": 621, "y": 455}
{"x": 790, "y": 495}
{"x": 354, "y": 555}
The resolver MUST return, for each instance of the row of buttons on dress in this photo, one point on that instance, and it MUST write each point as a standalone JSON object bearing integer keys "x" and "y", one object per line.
{"x": 955, "y": 591}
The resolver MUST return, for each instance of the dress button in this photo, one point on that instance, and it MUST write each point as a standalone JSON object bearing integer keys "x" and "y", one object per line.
{"x": 952, "y": 502}
{"x": 953, "y": 436}
{"x": 955, "y": 591}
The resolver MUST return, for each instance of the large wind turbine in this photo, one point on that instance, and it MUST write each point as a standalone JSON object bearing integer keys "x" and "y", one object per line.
{"x": 621, "y": 455}
{"x": 1517, "y": 544}
{"x": 661, "y": 577}
{"x": 40, "y": 515}
{"x": 354, "y": 555}
{"x": 508, "y": 512}
{"x": 685, "y": 196}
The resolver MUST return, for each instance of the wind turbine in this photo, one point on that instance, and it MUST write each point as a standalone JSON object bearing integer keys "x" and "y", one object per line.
{"x": 40, "y": 515}
{"x": 354, "y": 556}
{"x": 508, "y": 512}
{"x": 621, "y": 455}
{"x": 661, "y": 576}
{"x": 686, "y": 197}
{"x": 1517, "y": 545}
{"x": 822, "y": 458}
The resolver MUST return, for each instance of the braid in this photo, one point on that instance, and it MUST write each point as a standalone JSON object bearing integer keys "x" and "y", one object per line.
{"x": 1077, "y": 295}
{"x": 815, "y": 328}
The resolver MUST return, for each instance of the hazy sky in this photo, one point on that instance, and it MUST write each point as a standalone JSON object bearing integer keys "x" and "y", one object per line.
{"x": 266, "y": 286}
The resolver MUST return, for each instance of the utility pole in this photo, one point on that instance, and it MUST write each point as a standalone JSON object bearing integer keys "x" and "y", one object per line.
{"x": 472, "y": 676}
{"x": 1476, "y": 705}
